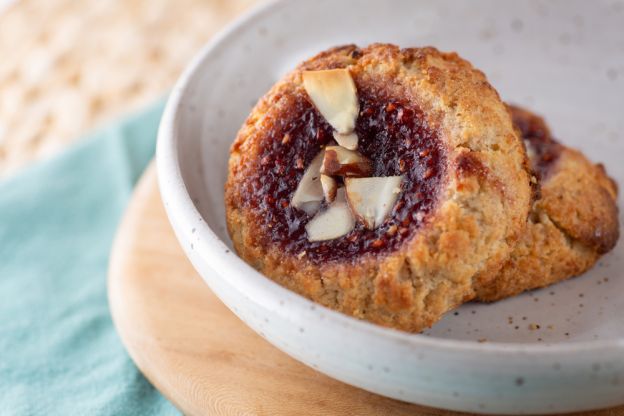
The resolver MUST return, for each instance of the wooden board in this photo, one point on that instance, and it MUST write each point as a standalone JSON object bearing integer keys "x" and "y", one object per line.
{"x": 199, "y": 354}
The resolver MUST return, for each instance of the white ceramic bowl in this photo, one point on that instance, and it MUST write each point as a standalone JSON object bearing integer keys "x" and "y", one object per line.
{"x": 563, "y": 59}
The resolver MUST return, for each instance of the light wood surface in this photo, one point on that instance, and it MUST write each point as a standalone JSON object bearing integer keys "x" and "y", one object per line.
{"x": 199, "y": 354}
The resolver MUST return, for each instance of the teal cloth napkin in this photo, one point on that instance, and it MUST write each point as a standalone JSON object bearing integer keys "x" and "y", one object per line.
{"x": 59, "y": 353}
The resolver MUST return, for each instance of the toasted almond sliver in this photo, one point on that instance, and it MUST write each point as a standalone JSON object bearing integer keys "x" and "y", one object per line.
{"x": 334, "y": 94}
{"x": 330, "y": 186}
{"x": 336, "y": 221}
{"x": 348, "y": 141}
{"x": 344, "y": 162}
{"x": 309, "y": 193}
{"x": 372, "y": 199}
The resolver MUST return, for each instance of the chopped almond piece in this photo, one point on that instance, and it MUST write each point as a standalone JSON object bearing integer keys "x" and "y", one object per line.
{"x": 334, "y": 94}
{"x": 309, "y": 193}
{"x": 336, "y": 221}
{"x": 330, "y": 186}
{"x": 372, "y": 199}
{"x": 344, "y": 162}
{"x": 348, "y": 141}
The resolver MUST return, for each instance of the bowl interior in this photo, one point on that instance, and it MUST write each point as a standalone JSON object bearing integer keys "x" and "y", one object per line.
{"x": 564, "y": 60}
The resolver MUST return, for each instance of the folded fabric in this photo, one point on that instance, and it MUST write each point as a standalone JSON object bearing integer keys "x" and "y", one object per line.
{"x": 59, "y": 353}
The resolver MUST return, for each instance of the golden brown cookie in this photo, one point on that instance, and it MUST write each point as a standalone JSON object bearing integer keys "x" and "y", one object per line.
{"x": 425, "y": 117}
{"x": 573, "y": 222}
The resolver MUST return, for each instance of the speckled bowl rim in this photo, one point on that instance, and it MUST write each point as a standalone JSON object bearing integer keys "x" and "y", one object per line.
{"x": 184, "y": 217}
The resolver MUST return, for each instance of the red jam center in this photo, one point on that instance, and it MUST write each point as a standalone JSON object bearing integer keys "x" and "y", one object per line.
{"x": 394, "y": 136}
{"x": 537, "y": 136}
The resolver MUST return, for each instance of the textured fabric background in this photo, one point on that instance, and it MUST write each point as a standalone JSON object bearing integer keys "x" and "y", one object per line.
{"x": 67, "y": 66}
{"x": 59, "y": 352}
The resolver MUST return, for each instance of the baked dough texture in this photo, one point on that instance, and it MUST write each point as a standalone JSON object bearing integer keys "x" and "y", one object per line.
{"x": 572, "y": 223}
{"x": 481, "y": 206}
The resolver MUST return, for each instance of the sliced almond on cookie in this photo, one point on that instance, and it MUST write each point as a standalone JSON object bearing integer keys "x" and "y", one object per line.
{"x": 334, "y": 94}
{"x": 348, "y": 140}
{"x": 336, "y": 221}
{"x": 309, "y": 193}
{"x": 372, "y": 199}
{"x": 330, "y": 186}
{"x": 344, "y": 162}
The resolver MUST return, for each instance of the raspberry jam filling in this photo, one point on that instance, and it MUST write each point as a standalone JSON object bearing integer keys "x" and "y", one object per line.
{"x": 539, "y": 140}
{"x": 393, "y": 135}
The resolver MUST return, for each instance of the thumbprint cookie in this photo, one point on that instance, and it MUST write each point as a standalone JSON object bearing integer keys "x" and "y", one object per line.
{"x": 379, "y": 182}
{"x": 574, "y": 219}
